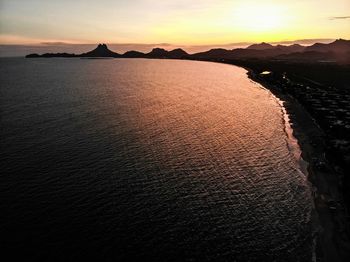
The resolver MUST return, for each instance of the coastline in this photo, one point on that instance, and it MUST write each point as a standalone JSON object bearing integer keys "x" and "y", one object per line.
{"x": 328, "y": 216}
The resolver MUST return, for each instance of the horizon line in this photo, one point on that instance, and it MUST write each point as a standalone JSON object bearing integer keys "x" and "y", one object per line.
{"x": 18, "y": 50}
{"x": 63, "y": 43}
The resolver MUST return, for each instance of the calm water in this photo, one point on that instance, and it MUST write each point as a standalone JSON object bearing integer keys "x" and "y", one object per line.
{"x": 161, "y": 159}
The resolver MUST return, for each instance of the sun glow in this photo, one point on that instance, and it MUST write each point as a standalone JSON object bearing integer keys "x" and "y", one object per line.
{"x": 182, "y": 22}
{"x": 259, "y": 18}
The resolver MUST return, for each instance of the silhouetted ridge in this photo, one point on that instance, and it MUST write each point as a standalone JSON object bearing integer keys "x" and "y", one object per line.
{"x": 49, "y": 55}
{"x": 134, "y": 54}
{"x": 178, "y": 53}
{"x": 290, "y": 48}
{"x": 158, "y": 53}
{"x": 101, "y": 51}
{"x": 216, "y": 53}
{"x": 337, "y": 51}
{"x": 261, "y": 46}
{"x": 338, "y": 46}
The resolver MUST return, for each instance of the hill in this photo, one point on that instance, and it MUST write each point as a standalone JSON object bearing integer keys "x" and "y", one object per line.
{"x": 335, "y": 52}
{"x": 100, "y": 51}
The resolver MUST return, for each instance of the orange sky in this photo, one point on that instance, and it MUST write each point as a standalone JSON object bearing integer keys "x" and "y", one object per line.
{"x": 194, "y": 22}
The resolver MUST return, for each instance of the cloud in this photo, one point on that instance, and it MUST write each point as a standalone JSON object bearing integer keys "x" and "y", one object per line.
{"x": 339, "y": 17}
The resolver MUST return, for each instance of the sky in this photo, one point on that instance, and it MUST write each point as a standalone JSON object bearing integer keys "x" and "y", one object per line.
{"x": 181, "y": 22}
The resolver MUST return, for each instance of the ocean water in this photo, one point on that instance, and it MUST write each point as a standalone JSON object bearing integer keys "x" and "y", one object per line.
{"x": 167, "y": 160}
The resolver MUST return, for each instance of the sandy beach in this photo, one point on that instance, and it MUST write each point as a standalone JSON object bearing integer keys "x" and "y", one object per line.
{"x": 329, "y": 217}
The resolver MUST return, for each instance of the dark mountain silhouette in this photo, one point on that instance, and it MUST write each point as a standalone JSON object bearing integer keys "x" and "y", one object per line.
{"x": 216, "y": 53}
{"x": 100, "y": 51}
{"x": 261, "y": 46}
{"x": 134, "y": 54}
{"x": 158, "y": 53}
{"x": 338, "y": 46}
{"x": 337, "y": 51}
{"x": 178, "y": 54}
{"x": 249, "y": 52}
{"x": 291, "y": 48}
{"x": 48, "y": 55}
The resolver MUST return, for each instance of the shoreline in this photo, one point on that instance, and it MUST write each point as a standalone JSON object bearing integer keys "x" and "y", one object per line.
{"x": 327, "y": 219}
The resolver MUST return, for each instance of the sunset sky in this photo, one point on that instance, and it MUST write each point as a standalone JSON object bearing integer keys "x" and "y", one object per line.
{"x": 192, "y": 22}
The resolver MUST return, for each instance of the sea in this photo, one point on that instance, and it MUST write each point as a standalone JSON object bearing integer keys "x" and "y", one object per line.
{"x": 147, "y": 160}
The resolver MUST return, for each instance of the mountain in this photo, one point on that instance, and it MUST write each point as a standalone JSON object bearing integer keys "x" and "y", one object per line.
{"x": 157, "y": 53}
{"x": 134, "y": 54}
{"x": 162, "y": 53}
{"x": 100, "y": 51}
{"x": 338, "y": 46}
{"x": 290, "y": 48}
{"x": 261, "y": 46}
{"x": 178, "y": 54}
{"x": 336, "y": 52}
{"x": 49, "y": 55}
{"x": 248, "y": 53}
{"x": 217, "y": 53}
{"x": 282, "y": 48}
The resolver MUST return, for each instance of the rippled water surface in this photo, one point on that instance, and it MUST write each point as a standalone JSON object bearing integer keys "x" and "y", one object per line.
{"x": 162, "y": 159}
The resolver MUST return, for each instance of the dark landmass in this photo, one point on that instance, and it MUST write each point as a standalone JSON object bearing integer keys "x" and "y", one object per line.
{"x": 100, "y": 51}
{"x": 261, "y": 46}
{"x": 337, "y": 52}
{"x": 48, "y": 55}
{"x": 314, "y": 83}
{"x": 134, "y": 54}
{"x": 157, "y": 53}
{"x": 323, "y": 135}
{"x": 178, "y": 54}
{"x": 316, "y": 95}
